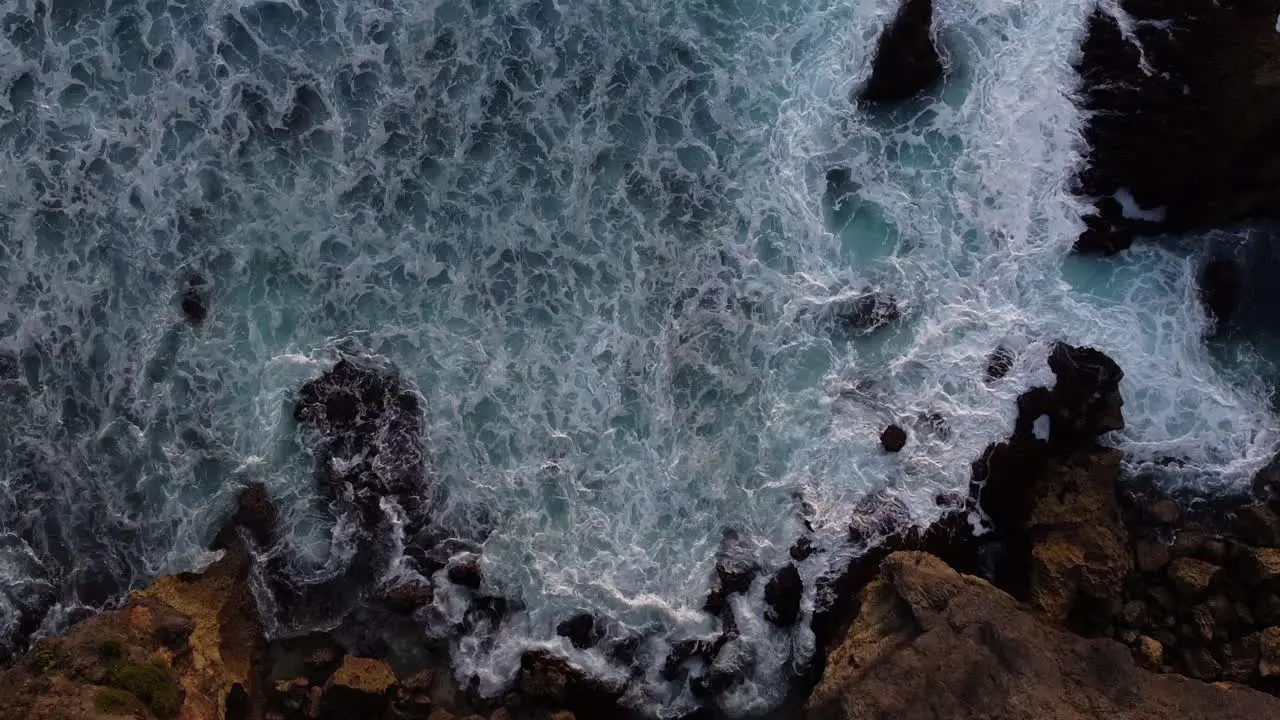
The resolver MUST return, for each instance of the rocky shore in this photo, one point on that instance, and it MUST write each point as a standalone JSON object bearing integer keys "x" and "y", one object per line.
{"x": 1086, "y": 594}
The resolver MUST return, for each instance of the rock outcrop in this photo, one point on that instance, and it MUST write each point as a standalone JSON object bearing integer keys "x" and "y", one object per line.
{"x": 907, "y": 61}
{"x": 929, "y": 643}
{"x": 184, "y": 648}
{"x": 1183, "y": 104}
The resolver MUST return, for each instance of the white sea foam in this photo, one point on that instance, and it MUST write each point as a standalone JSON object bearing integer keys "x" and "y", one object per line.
{"x": 593, "y": 236}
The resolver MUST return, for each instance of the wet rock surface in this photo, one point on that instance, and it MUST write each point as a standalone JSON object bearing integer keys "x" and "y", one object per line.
{"x": 907, "y": 61}
{"x": 1183, "y": 109}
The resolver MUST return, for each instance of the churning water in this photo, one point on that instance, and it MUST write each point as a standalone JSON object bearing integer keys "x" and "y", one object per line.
{"x": 597, "y": 238}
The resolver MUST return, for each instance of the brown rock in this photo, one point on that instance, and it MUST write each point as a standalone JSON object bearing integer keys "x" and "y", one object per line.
{"x": 931, "y": 644}
{"x": 1201, "y": 546}
{"x": 1150, "y": 555}
{"x": 1148, "y": 653}
{"x": 361, "y": 687}
{"x": 1261, "y": 565}
{"x": 439, "y": 714}
{"x": 1162, "y": 512}
{"x": 1192, "y": 577}
{"x": 563, "y": 715}
{"x": 1203, "y": 621}
{"x": 406, "y": 597}
{"x": 1269, "y": 650}
{"x": 1257, "y": 525}
{"x": 1134, "y": 613}
{"x": 500, "y": 714}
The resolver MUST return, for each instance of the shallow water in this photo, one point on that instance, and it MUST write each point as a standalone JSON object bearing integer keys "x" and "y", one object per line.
{"x": 596, "y": 238}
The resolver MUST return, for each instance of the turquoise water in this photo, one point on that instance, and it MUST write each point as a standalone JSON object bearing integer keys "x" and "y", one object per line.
{"x": 594, "y": 236}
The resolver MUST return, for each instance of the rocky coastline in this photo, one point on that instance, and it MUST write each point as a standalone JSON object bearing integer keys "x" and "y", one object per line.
{"x": 1088, "y": 594}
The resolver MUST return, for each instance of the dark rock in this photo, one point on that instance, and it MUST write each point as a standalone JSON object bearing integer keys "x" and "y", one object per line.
{"x": 1200, "y": 545}
{"x": 361, "y": 687}
{"x": 864, "y": 313}
{"x": 465, "y": 573}
{"x": 1163, "y": 511}
{"x": 736, "y": 568}
{"x": 582, "y": 629}
{"x": 406, "y": 597}
{"x": 195, "y": 298}
{"x": 907, "y": 61}
{"x": 1219, "y": 288}
{"x": 1150, "y": 555}
{"x": 551, "y": 679}
{"x": 1256, "y": 525}
{"x": 256, "y": 514}
{"x": 999, "y": 363}
{"x": 893, "y": 438}
{"x": 1191, "y": 577}
{"x": 782, "y": 595}
{"x": 802, "y": 549}
{"x": 1181, "y": 112}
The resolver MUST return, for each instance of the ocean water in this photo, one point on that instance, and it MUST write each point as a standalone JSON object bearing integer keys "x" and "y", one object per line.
{"x": 596, "y": 237}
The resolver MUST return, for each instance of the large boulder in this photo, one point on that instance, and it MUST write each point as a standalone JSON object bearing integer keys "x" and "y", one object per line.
{"x": 1183, "y": 107}
{"x": 907, "y": 61}
{"x": 929, "y": 643}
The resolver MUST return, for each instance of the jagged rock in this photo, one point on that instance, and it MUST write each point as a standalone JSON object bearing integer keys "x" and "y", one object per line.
{"x": 407, "y": 597}
{"x": 932, "y": 644}
{"x": 552, "y": 680}
{"x": 185, "y": 646}
{"x": 1192, "y": 577}
{"x": 465, "y": 573}
{"x": 736, "y": 569}
{"x": 782, "y": 594}
{"x": 361, "y": 687}
{"x": 1262, "y": 565}
{"x": 893, "y": 438}
{"x": 1181, "y": 108}
{"x": 907, "y": 61}
{"x": 583, "y": 630}
{"x": 999, "y": 363}
{"x": 1164, "y": 511}
{"x": 802, "y": 549}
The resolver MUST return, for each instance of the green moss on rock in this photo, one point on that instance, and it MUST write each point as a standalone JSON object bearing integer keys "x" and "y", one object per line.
{"x": 115, "y": 701}
{"x": 154, "y": 683}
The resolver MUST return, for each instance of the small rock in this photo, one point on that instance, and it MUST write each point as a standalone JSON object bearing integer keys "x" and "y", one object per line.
{"x": 361, "y": 687}
{"x": 1257, "y": 525}
{"x": 999, "y": 363}
{"x": 1162, "y": 512}
{"x": 563, "y": 715}
{"x": 782, "y": 595}
{"x": 802, "y": 549}
{"x": 893, "y": 438}
{"x": 1200, "y": 664}
{"x": 1192, "y": 577}
{"x": 441, "y": 714}
{"x": 1201, "y": 546}
{"x": 1148, "y": 653}
{"x": 1269, "y": 645}
{"x": 407, "y": 597}
{"x": 465, "y": 573}
{"x": 1134, "y": 613}
{"x": 500, "y": 714}
{"x": 582, "y": 630}
{"x": 1261, "y": 565}
{"x": 1150, "y": 555}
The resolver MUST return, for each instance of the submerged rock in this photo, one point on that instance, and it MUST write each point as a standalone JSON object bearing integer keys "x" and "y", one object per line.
{"x": 195, "y": 298}
{"x": 999, "y": 363}
{"x": 866, "y": 312}
{"x": 931, "y": 643}
{"x": 907, "y": 61}
{"x": 582, "y": 630}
